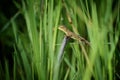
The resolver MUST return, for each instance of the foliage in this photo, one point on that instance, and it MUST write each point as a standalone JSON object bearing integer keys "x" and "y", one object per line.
{"x": 37, "y": 40}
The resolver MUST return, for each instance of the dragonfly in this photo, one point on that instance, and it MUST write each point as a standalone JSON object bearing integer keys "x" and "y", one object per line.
{"x": 72, "y": 35}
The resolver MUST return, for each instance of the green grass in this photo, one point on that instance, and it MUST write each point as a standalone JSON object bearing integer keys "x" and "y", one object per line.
{"x": 36, "y": 48}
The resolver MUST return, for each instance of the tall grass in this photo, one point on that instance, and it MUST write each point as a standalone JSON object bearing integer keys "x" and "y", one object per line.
{"x": 36, "y": 50}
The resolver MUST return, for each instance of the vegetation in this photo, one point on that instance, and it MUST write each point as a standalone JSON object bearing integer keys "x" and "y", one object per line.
{"x": 31, "y": 42}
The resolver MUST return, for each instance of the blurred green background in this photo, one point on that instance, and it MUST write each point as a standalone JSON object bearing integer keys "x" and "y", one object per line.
{"x": 30, "y": 40}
